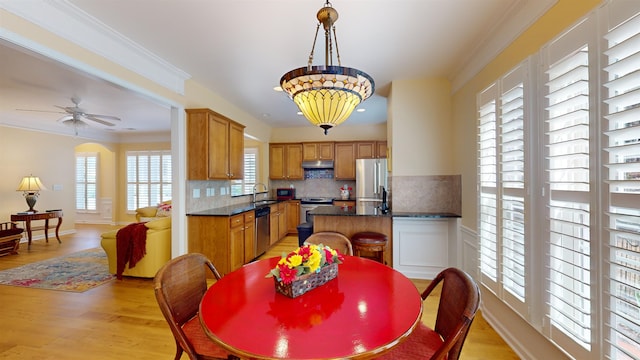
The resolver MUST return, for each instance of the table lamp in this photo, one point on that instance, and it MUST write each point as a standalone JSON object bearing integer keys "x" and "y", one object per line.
{"x": 31, "y": 185}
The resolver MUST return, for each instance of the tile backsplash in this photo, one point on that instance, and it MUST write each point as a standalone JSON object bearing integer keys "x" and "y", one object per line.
{"x": 437, "y": 193}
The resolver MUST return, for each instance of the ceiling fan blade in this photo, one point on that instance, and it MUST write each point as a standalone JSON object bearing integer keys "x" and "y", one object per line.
{"x": 114, "y": 118}
{"x": 46, "y": 111}
{"x": 100, "y": 121}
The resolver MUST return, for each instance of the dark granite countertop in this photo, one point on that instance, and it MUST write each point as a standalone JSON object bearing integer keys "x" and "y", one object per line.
{"x": 347, "y": 211}
{"x": 233, "y": 209}
{"x": 424, "y": 215}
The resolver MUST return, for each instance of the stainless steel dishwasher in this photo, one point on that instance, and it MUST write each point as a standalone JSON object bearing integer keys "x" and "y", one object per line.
{"x": 262, "y": 229}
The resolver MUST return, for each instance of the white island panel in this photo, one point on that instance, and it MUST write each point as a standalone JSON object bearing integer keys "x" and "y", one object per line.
{"x": 423, "y": 247}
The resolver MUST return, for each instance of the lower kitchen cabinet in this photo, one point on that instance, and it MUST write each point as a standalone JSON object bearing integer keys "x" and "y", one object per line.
{"x": 278, "y": 222}
{"x": 293, "y": 216}
{"x": 228, "y": 241}
{"x": 422, "y": 247}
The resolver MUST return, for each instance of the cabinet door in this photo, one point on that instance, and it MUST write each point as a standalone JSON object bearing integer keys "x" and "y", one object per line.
{"x": 293, "y": 216}
{"x": 317, "y": 151}
{"x": 381, "y": 149}
{"x": 345, "y": 163}
{"x": 274, "y": 233}
{"x": 310, "y": 152}
{"x": 325, "y": 151}
{"x": 197, "y": 145}
{"x": 293, "y": 160}
{"x": 366, "y": 150}
{"x": 236, "y": 151}
{"x": 236, "y": 247}
{"x": 249, "y": 236}
{"x": 282, "y": 220}
{"x": 218, "y": 147}
{"x": 276, "y": 162}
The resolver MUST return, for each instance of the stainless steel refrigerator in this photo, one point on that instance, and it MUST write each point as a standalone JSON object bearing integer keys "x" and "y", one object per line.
{"x": 371, "y": 184}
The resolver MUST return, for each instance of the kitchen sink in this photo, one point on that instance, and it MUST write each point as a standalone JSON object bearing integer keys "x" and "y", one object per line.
{"x": 264, "y": 203}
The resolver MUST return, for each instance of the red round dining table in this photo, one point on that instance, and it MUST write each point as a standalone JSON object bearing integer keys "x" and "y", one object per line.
{"x": 367, "y": 309}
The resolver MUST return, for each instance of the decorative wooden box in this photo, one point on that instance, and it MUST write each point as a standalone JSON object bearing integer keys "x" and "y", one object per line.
{"x": 307, "y": 282}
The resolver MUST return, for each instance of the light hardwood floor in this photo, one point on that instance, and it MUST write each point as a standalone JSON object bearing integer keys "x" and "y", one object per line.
{"x": 121, "y": 320}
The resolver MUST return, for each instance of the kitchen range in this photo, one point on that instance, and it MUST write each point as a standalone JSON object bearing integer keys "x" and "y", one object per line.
{"x": 309, "y": 203}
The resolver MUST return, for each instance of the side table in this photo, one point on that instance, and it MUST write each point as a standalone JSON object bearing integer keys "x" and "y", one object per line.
{"x": 27, "y": 217}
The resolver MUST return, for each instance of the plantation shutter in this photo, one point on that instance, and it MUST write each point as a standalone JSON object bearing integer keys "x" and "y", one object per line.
{"x": 86, "y": 181}
{"x": 622, "y": 123}
{"x": 567, "y": 140}
{"x": 148, "y": 178}
{"x": 487, "y": 182}
{"x": 512, "y": 183}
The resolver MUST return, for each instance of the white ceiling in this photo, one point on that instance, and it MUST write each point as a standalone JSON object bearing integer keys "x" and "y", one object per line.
{"x": 240, "y": 48}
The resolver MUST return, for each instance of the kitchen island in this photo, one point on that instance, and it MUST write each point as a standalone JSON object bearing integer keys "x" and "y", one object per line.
{"x": 421, "y": 244}
{"x": 347, "y": 221}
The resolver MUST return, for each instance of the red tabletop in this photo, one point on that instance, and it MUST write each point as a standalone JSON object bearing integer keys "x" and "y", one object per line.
{"x": 367, "y": 309}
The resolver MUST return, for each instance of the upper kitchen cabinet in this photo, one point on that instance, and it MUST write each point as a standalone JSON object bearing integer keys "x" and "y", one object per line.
{"x": 317, "y": 151}
{"x": 345, "y": 161}
{"x": 381, "y": 148}
{"x": 215, "y": 146}
{"x": 371, "y": 149}
{"x": 285, "y": 161}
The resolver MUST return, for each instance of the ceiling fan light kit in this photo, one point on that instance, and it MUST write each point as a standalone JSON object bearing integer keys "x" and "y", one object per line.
{"x": 327, "y": 95}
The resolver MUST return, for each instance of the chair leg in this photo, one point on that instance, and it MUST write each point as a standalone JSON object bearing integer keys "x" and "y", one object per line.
{"x": 178, "y": 351}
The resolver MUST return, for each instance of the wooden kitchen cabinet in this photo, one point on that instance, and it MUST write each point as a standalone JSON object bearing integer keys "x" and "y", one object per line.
{"x": 277, "y": 222}
{"x": 371, "y": 149}
{"x": 345, "y": 161}
{"x": 282, "y": 220}
{"x": 215, "y": 146}
{"x": 249, "y": 236}
{"x": 366, "y": 150}
{"x": 293, "y": 216}
{"x": 228, "y": 241}
{"x": 381, "y": 149}
{"x": 285, "y": 161}
{"x": 317, "y": 151}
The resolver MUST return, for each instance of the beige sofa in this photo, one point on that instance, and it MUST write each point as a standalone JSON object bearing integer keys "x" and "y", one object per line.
{"x": 158, "y": 247}
{"x": 154, "y": 212}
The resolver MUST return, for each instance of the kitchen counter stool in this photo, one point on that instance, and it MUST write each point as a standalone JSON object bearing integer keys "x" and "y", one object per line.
{"x": 371, "y": 242}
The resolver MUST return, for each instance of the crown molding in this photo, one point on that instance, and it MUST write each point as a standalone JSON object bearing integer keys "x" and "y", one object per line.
{"x": 513, "y": 23}
{"x": 69, "y": 22}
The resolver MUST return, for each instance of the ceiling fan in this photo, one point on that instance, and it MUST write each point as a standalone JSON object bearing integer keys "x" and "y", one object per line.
{"x": 77, "y": 117}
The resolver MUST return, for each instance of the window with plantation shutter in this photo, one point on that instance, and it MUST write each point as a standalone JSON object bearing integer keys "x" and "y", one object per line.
{"x": 512, "y": 183}
{"x": 501, "y": 174}
{"x": 487, "y": 185}
{"x": 86, "y": 181}
{"x": 568, "y": 168}
{"x": 559, "y": 192}
{"x": 622, "y": 125}
{"x": 245, "y": 185}
{"x": 148, "y": 178}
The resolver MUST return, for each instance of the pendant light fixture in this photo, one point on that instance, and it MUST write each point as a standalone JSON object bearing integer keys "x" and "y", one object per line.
{"x": 326, "y": 95}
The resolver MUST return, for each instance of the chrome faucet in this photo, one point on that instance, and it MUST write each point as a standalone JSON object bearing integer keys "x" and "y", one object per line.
{"x": 254, "y": 190}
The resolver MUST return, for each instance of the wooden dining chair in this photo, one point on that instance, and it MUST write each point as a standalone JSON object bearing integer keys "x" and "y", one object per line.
{"x": 334, "y": 240}
{"x": 179, "y": 287}
{"x": 457, "y": 307}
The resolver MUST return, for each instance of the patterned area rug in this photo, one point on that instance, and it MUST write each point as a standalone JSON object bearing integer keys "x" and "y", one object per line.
{"x": 77, "y": 272}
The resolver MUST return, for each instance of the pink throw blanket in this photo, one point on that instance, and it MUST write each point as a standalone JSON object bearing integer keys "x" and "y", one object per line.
{"x": 131, "y": 246}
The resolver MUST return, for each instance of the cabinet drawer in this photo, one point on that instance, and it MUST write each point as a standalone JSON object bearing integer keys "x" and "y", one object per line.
{"x": 344, "y": 203}
{"x": 249, "y": 216}
{"x": 236, "y": 220}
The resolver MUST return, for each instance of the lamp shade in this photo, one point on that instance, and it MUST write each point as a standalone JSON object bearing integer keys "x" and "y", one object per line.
{"x": 327, "y": 95}
{"x": 30, "y": 184}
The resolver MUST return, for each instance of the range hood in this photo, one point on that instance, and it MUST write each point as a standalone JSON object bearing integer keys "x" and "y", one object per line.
{"x": 319, "y": 164}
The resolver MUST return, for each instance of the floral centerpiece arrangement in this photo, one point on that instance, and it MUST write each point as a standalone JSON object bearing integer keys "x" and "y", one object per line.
{"x": 345, "y": 190}
{"x": 305, "y": 268}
